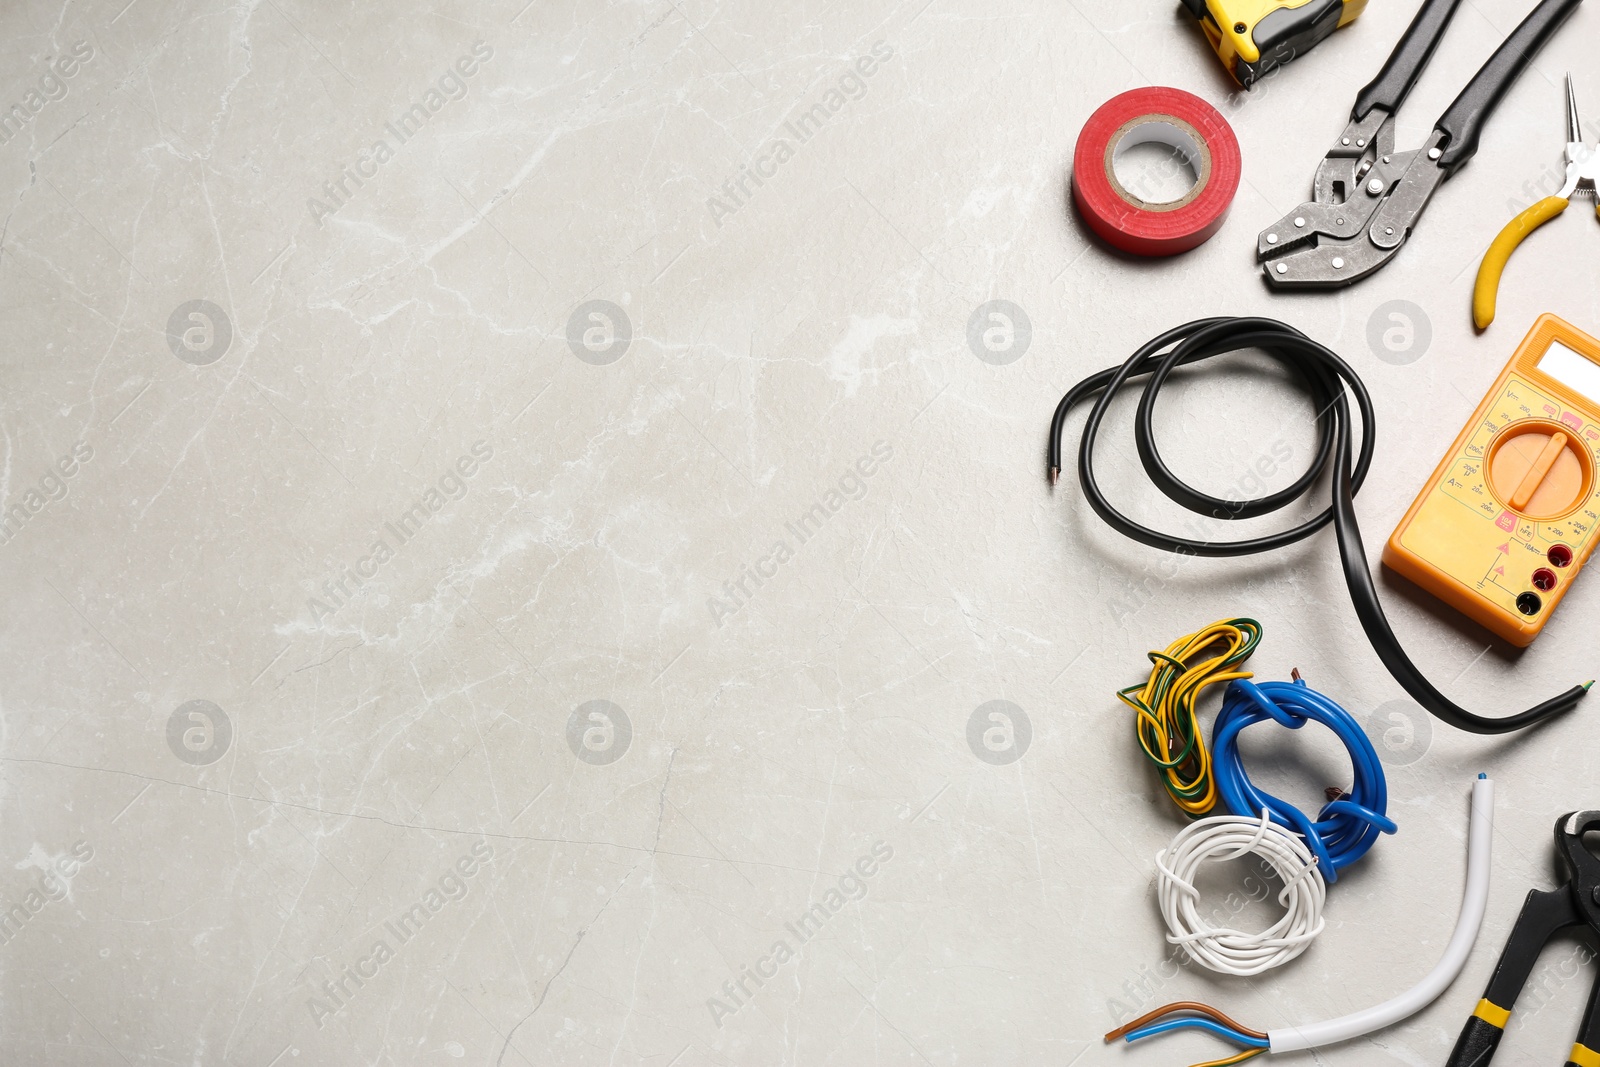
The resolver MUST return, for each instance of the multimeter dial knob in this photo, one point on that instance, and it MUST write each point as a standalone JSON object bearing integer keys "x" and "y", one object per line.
{"x": 1539, "y": 469}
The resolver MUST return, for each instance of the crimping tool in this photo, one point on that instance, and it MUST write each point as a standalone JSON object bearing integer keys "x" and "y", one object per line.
{"x": 1367, "y": 195}
{"x": 1254, "y": 37}
{"x": 1544, "y": 914}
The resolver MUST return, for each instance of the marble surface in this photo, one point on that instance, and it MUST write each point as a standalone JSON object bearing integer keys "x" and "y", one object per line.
{"x": 492, "y": 576}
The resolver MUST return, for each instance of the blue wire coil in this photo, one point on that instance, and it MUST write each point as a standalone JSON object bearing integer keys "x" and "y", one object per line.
{"x": 1345, "y": 828}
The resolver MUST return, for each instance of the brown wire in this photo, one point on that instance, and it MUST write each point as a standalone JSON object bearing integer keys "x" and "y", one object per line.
{"x": 1184, "y": 1005}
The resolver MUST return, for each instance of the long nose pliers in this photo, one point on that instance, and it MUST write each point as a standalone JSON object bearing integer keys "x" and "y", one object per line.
{"x": 1583, "y": 174}
{"x": 1545, "y": 913}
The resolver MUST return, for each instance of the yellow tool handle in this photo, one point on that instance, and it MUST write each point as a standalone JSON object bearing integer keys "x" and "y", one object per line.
{"x": 1487, "y": 289}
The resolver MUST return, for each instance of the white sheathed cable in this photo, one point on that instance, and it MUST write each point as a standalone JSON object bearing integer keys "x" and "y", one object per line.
{"x": 1227, "y": 837}
{"x": 1473, "y": 903}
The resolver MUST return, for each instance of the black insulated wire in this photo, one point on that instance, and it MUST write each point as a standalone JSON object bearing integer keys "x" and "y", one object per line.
{"x": 1332, "y": 384}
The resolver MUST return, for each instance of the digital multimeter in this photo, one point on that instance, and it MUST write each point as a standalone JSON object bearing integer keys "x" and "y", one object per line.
{"x": 1254, "y": 37}
{"x": 1507, "y": 520}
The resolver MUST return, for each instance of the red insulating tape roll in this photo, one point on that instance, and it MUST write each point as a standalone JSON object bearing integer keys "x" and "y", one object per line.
{"x": 1173, "y": 117}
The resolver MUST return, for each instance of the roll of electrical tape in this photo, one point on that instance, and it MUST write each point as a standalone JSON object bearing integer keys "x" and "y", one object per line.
{"x": 1186, "y": 123}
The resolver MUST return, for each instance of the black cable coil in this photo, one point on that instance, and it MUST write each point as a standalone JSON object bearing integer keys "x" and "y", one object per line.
{"x": 1331, "y": 383}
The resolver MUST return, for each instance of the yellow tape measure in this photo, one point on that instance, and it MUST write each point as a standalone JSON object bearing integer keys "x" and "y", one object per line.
{"x": 1254, "y": 37}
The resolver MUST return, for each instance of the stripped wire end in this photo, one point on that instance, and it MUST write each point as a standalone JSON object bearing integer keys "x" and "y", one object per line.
{"x": 1587, "y": 684}
{"x": 1294, "y": 673}
{"x": 1194, "y": 1007}
{"x": 1055, "y": 475}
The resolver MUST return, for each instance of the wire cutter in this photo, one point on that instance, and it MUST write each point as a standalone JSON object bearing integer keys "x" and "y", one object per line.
{"x": 1545, "y": 913}
{"x": 1583, "y": 172}
{"x": 1367, "y": 195}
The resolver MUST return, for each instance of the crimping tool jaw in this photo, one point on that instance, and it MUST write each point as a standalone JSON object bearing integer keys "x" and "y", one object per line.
{"x": 1545, "y": 913}
{"x": 1329, "y": 245}
{"x": 1352, "y": 181}
{"x": 1583, "y": 867}
{"x": 1345, "y": 194}
{"x": 1326, "y": 262}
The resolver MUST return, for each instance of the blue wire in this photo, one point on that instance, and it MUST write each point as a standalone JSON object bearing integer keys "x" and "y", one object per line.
{"x": 1197, "y": 1024}
{"x": 1345, "y": 828}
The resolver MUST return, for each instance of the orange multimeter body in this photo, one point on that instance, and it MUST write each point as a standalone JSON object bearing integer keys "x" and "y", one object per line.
{"x": 1508, "y": 519}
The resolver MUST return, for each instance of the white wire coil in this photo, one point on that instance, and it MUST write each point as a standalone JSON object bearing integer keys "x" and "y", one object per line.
{"x": 1227, "y": 837}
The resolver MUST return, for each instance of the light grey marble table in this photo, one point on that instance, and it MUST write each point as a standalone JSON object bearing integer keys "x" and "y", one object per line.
{"x": 506, "y": 564}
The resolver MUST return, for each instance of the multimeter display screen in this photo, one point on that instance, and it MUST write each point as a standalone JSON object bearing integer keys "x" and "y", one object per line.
{"x": 1572, "y": 370}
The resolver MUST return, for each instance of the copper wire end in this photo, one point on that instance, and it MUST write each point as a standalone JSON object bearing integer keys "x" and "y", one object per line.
{"x": 1055, "y": 475}
{"x": 1183, "y": 1005}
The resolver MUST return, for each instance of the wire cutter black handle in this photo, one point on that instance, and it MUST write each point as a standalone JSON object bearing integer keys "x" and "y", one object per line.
{"x": 1464, "y": 120}
{"x": 1404, "y": 66}
{"x": 1545, "y": 913}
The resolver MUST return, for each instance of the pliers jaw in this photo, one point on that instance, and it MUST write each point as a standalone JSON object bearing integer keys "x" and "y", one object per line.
{"x": 1583, "y": 160}
{"x": 1328, "y": 263}
{"x": 1331, "y": 213}
{"x": 1583, "y": 867}
{"x": 1545, "y": 913}
{"x": 1365, "y": 144}
{"x": 1583, "y": 171}
{"x": 1368, "y": 197}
